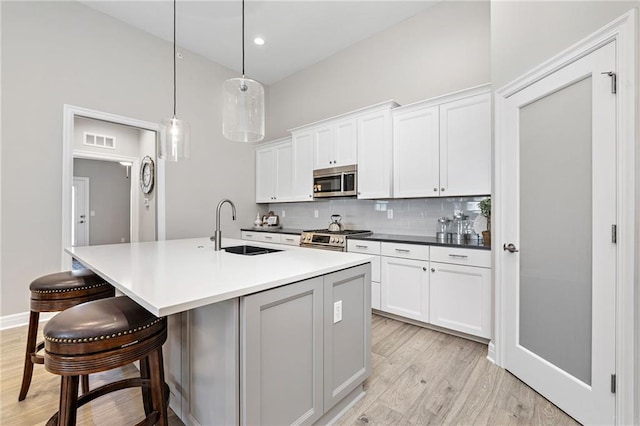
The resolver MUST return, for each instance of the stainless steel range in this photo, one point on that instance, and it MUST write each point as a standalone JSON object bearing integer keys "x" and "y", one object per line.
{"x": 329, "y": 240}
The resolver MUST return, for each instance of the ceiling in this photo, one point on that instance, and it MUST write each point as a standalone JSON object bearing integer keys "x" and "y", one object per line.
{"x": 298, "y": 33}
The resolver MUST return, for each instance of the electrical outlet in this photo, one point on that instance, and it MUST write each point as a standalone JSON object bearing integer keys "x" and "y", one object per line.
{"x": 282, "y": 214}
{"x": 315, "y": 214}
{"x": 122, "y": 240}
{"x": 93, "y": 213}
{"x": 337, "y": 311}
{"x": 390, "y": 214}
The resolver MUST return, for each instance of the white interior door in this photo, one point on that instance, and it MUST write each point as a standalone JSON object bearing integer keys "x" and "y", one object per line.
{"x": 80, "y": 212}
{"x": 559, "y": 257}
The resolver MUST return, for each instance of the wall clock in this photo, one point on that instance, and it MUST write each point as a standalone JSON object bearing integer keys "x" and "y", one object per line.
{"x": 146, "y": 175}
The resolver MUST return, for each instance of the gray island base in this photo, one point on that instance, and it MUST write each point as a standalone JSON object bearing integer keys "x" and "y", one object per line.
{"x": 277, "y": 339}
{"x": 295, "y": 354}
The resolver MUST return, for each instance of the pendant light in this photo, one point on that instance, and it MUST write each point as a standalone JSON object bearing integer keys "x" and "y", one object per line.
{"x": 175, "y": 143}
{"x": 243, "y": 106}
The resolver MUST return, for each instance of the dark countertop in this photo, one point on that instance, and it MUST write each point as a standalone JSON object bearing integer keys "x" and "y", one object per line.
{"x": 417, "y": 239}
{"x": 290, "y": 231}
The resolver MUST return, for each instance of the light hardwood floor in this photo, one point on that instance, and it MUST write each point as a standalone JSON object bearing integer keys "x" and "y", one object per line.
{"x": 419, "y": 377}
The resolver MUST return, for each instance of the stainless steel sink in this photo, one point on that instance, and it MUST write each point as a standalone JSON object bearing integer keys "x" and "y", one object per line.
{"x": 249, "y": 250}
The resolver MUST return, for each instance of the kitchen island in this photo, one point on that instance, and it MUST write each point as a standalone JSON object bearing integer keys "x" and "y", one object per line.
{"x": 277, "y": 338}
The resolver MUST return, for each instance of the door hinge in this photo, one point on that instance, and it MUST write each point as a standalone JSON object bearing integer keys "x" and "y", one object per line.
{"x": 614, "y": 234}
{"x": 614, "y": 81}
{"x": 613, "y": 383}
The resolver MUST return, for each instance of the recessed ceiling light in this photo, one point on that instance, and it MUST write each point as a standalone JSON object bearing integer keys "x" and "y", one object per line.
{"x": 259, "y": 41}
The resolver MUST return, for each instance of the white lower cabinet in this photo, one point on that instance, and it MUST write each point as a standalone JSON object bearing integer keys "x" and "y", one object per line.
{"x": 405, "y": 288}
{"x": 461, "y": 298}
{"x": 267, "y": 237}
{"x": 372, "y": 248}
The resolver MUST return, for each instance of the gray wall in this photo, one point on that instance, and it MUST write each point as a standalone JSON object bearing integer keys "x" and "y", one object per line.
{"x": 443, "y": 49}
{"x": 126, "y": 137}
{"x": 109, "y": 199}
{"x": 46, "y": 47}
{"x": 526, "y": 33}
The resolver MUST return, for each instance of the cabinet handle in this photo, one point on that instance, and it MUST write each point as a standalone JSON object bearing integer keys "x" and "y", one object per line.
{"x": 288, "y": 239}
{"x": 268, "y": 237}
{"x": 435, "y": 189}
{"x": 403, "y": 250}
{"x": 248, "y": 235}
{"x": 442, "y": 189}
{"x": 310, "y": 196}
{"x": 433, "y": 269}
{"x": 461, "y": 256}
{"x": 360, "y": 246}
{"x": 424, "y": 268}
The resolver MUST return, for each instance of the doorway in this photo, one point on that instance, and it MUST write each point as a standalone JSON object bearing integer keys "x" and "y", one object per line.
{"x": 153, "y": 203}
{"x": 565, "y": 147}
{"x": 80, "y": 212}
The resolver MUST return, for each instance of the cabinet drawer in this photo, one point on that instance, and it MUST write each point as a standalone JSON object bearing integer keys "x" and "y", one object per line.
{"x": 406, "y": 251}
{"x": 366, "y": 247}
{"x": 267, "y": 237}
{"x": 460, "y": 256}
{"x": 292, "y": 240}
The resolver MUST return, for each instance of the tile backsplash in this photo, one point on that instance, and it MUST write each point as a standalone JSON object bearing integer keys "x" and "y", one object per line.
{"x": 415, "y": 216}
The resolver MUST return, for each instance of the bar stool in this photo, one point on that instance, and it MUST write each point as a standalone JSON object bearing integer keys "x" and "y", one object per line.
{"x": 53, "y": 293}
{"x": 99, "y": 336}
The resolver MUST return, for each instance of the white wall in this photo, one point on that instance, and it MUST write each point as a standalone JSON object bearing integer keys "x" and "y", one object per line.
{"x": 147, "y": 209}
{"x": 46, "y": 50}
{"x": 443, "y": 49}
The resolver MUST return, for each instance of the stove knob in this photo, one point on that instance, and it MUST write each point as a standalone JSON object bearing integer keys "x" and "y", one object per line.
{"x": 341, "y": 240}
{"x": 333, "y": 240}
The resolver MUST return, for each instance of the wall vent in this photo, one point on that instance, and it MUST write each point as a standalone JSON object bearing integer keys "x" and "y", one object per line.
{"x": 102, "y": 141}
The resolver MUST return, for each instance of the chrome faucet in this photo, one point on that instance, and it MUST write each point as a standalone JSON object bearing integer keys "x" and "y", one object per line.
{"x": 217, "y": 234}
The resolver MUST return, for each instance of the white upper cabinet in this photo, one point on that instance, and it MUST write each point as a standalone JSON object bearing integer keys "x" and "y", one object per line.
{"x": 302, "y": 166}
{"x": 274, "y": 172}
{"x": 416, "y": 153}
{"x": 334, "y": 144}
{"x": 465, "y": 146}
{"x": 375, "y": 153}
{"x": 442, "y": 147}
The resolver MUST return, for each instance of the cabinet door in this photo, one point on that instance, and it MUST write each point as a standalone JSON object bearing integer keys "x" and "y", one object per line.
{"x": 345, "y": 143}
{"x": 281, "y": 341}
{"x": 415, "y": 153}
{"x": 323, "y": 138}
{"x": 302, "y": 167}
{"x": 284, "y": 173}
{"x": 461, "y": 298}
{"x": 347, "y": 341}
{"x": 405, "y": 288}
{"x": 375, "y": 152}
{"x": 265, "y": 175}
{"x": 465, "y": 146}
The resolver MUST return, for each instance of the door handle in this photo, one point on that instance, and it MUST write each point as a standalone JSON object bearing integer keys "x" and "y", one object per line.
{"x": 511, "y": 248}
{"x": 82, "y": 221}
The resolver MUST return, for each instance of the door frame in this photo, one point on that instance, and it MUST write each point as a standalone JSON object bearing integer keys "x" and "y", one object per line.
{"x": 623, "y": 31}
{"x": 87, "y": 206}
{"x": 70, "y": 112}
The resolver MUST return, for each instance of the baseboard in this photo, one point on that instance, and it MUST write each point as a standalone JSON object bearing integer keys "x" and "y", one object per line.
{"x": 18, "y": 320}
{"x": 491, "y": 354}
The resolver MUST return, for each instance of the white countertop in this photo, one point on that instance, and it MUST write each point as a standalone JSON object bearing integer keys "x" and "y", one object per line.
{"x": 167, "y": 277}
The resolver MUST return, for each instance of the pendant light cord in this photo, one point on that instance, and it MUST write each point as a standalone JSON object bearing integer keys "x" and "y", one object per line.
{"x": 242, "y": 38}
{"x": 174, "y": 58}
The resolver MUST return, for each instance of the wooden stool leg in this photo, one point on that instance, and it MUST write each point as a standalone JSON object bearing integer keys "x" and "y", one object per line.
{"x": 84, "y": 380}
{"x": 68, "y": 401}
{"x": 31, "y": 347}
{"x": 157, "y": 385}
{"x": 147, "y": 397}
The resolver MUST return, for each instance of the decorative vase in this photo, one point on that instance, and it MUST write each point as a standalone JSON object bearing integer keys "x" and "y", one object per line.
{"x": 486, "y": 238}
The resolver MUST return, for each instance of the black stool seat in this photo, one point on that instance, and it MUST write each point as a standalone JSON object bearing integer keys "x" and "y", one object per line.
{"x": 98, "y": 336}
{"x": 53, "y": 293}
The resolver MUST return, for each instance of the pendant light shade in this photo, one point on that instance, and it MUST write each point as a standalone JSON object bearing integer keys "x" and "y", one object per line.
{"x": 174, "y": 139}
{"x": 175, "y": 135}
{"x": 243, "y": 110}
{"x": 243, "y": 106}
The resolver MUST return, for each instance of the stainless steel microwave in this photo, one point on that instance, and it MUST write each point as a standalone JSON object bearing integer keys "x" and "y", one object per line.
{"x": 335, "y": 182}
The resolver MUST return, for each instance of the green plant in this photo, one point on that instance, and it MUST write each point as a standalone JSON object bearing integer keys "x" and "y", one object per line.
{"x": 485, "y": 210}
